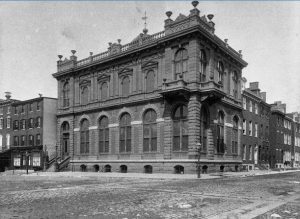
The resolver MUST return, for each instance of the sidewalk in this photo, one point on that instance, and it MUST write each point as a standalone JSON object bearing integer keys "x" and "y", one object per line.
{"x": 155, "y": 175}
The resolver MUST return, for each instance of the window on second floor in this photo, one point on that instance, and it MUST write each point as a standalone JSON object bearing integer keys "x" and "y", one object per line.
{"x": 235, "y": 84}
{"x": 22, "y": 109}
{"x": 244, "y": 127}
{"x": 203, "y": 64}
{"x": 1, "y": 123}
{"x": 23, "y": 140}
{"x": 250, "y": 105}
{"x": 30, "y": 123}
{"x": 38, "y": 122}
{"x": 181, "y": 62}
{"x": 23, "y": 124}
{"x": 256, "y": 130}
{"x": 8, "y": 109}
{"x": 255, "y": 108}
{"x": 1, "y": 111}
{"x": 250, "y": 128}
{"x": 66, "y": 93}
{"x": 104, "y": 91}
{"x": 38, "y": 106}
{"x": 244, "y": 103}
{"x": 220, "y": 68}
{"x": 8, "y": 121}
{"x": 150, "y": 78}
{"x": 16, "y": 125}
{"x": 125, "y": 86}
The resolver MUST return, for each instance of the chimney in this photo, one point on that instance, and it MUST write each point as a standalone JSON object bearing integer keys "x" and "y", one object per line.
{"x": 263, "y": 96}
{"x": 254, "y": 87}
{"x": 8, "y": 95}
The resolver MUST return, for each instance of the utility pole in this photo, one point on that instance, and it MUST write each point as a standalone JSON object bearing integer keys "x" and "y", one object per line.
{"x": 198, "y": 150}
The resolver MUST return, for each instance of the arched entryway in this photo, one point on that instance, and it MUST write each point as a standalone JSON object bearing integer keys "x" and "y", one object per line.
{"x": 65, "y": 139}
{"x": 178, "y": 169}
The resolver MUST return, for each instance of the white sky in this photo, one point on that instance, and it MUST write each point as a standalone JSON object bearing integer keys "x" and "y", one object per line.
{"x": 32, "y": 34}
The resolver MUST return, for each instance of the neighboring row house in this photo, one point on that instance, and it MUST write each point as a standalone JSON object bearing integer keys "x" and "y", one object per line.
{"x": 256, "y": 121}
{"x": 5, "y": 130}
{"x": 33, "y": 130}
{"x": 146, "y": 106}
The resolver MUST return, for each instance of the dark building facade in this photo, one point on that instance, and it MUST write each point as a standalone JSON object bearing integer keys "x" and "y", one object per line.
{"x": 281, "y": 130}
{"x": 256, "y": 124}
{"x": 146, "y": 106}
{"x": 33, "y": 131}
{"x": 5, "y": 130}
{"x": 295, "y": 153}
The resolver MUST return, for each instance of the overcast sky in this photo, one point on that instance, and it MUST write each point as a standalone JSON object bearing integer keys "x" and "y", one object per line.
{"x": 32, "y": 34}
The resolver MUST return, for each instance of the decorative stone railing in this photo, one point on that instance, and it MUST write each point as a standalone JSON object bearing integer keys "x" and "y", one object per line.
{"x": 68, "y": 64}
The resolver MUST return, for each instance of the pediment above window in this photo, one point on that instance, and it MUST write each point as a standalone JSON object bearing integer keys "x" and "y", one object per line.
{"x": 125, "y": 72}
{"x": 85, "y": 83}
{"x": 103, "y": 77}
{"x": 150, "y": 64}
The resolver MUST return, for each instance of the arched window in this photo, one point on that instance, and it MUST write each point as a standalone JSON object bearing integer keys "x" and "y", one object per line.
{"x": 220, "y": 133}
{"x": 204, "y": 120}
{"x": 16, "y": 140}
{"x": 150, "y": 77}
{"x": 125, "y": 86}
{"x": 181, "y": 60}
{"x": 220, "y": 69}
{"x": 125, "y": 133}
{"x": 235, "y": 84}
{"x": 235, "y": 135}
{"x": 103, "y": 135}
{"x": 84, "y": 95}
{"x": 203, "y": 63}
{"x": 104, "y": 91}
{"x": 180, "y": 128}
{"x": 66, "y": 93}
{"x": 65, "y": 138}
{"x": 150, "y": 131}
{"x": 84, "y": 137}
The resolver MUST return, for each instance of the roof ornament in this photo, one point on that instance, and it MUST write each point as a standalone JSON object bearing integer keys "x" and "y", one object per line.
{"x": 144, "y": 18}
{"x": 195, "y": 3}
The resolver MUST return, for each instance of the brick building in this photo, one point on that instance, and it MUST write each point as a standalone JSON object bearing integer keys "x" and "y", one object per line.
{"x": 281, "y": 130}
{"x": 295, "y": 157}
{"x": 256, "y": 119}
{"x": 33, "y": 130}
{"x": 145, "y": 106}
{"x": 5, "y": 130}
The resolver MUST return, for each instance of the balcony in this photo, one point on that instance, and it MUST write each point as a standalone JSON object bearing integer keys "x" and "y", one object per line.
{"x": 174, "y": 88}
{"x": 212, "y": 90}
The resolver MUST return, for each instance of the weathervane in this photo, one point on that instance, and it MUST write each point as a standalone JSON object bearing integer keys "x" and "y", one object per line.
{"x": 145, "y": 23}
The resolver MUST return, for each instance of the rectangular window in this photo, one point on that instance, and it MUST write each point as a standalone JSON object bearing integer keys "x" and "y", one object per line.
{"x": 256, "y": 130}
{"x": 8, "y": 122}
{"x": 38, "y": 139}
{"x": 22, "y": 109}
{"x": 23, "y": 140}
{"x": 15, "y": 110}
{"x": 244, "y": 103}
{"x": 1, "y": 123}
{"x": 250, "y": 128}
{"x": 38, "y": 106}
{"x": 256, "y": 108}
{"x": 244, "y": 152}
{"x": 16, "y": 140}
{"x": 16, "y": 125}
{"x": 250, "y": 152}
{"x": 8, "y": 110}
{"x": 244, "y": 127}
{"x": 250, "y": 105}
{"x": 1, "y": 111}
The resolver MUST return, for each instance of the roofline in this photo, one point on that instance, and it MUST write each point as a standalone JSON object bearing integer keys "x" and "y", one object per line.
{"x": 32, "y": 100}
{"x": 215, "y": 40}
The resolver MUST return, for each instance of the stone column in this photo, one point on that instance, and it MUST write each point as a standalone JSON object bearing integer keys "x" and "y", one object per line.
{"x": 168, "y": 137}
{"x": 194, "y": 106}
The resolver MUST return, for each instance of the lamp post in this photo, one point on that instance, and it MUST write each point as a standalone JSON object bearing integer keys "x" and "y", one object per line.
{"x": 198, "y": 149}
{"x": 26, "y": 155}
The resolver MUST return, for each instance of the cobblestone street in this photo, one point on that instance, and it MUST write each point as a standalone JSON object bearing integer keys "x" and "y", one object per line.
{"x": 96, "y": 196}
